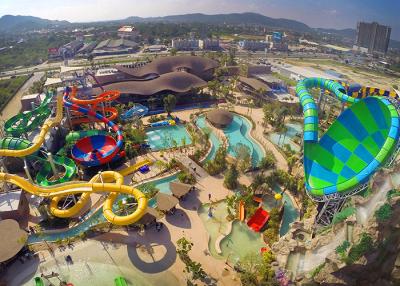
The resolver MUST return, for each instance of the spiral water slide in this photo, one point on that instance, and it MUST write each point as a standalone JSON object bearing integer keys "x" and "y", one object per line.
{"x": 98, "y": 149}
{"x": 28, "y": 121}
{"x": 362, "y": 139}
{"x": 42, "y": 178}
{"x": 110, "y": 182}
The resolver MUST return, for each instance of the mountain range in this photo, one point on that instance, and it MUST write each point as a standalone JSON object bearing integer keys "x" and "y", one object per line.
{"x": 14, "y": 24}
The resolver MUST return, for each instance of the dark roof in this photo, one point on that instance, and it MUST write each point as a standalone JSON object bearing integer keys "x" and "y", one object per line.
{"x": 163, "y": 65}
{"x": 254, "y": 83}
{"x": 179, "y": 189}
{"x": 220, "y": 117}
{"x": 112, "y": 44}
{"x": 165, "y": 202}
{"x": 13, "y": 238}
{"x": 150, "y": 215}
{"x": 173, "y": 81}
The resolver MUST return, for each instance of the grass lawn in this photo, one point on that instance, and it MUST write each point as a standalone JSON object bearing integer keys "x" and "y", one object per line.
{"x": 8, "y": 88}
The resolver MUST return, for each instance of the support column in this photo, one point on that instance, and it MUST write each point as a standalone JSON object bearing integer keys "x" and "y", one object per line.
{"x": 53, "y": 166}
{"x": 26, "y": 168}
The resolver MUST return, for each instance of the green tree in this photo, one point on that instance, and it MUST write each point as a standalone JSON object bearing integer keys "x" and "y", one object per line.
{"x": 173, "y": 52}
{"x": 231, "y": 178}
{"x": 184, "y": 246}
{"x": 169, "y": 103}
{"x": 243, "y": 156}
{"x": 268, "y": 161}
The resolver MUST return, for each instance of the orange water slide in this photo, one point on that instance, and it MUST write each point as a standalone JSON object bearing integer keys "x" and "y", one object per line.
{"x": 241, "y": 211}
{"x": 110, "y": 113}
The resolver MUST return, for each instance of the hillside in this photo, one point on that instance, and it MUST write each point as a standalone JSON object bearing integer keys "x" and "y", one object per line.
{"x": 233, "y": 19}
{"x": 13, "y": 24}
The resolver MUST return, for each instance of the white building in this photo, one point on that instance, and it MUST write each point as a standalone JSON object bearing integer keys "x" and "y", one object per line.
{"x": 128, "y": 32}
{"x": 185, "y": 44}
{"x": 209, "y": 44}
{"x": 253, "y": 45}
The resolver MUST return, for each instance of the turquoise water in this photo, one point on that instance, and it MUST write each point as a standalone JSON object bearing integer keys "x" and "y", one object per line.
{"x": 242, "y": 240}
{"x": 290, "y": 213}
{"x": 97, "y": 217}
{"x": 236, "y": 245}
{"x": 238, "y": 133}
{"x": 163, "y": 137}
{"x": 215, "y": 142}
{"x": 293, "y": 129}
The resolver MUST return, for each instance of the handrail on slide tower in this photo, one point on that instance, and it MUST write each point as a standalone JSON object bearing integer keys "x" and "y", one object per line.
{"x": 110, "y": 182}
{"x": 361, "y": 140}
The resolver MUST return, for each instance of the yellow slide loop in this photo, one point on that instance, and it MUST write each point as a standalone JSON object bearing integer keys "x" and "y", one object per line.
{"x": 86, "y": 188}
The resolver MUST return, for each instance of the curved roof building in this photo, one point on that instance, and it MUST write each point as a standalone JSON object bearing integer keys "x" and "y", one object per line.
{"x": 177, "y": 82}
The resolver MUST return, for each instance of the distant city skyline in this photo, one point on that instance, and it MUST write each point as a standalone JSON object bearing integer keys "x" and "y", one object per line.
{"x": 337, "y": 14}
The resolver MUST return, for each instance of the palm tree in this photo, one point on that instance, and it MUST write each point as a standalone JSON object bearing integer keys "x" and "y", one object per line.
{"x": 152, "y": 102}
{"x": 169, "y": 103}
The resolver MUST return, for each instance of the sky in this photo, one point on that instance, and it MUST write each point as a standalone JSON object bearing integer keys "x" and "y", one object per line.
{"x": 337, "y": 14}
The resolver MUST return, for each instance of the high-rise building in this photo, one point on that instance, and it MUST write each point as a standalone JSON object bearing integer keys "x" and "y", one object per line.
{"x": 372, "y": 38}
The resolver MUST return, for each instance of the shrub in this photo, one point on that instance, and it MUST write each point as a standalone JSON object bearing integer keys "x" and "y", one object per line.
{"x": 187, "y": 178}
{"x": 231, "y": 176}
{"x": 343, "y": 215}
{"x": 358, "y": 250}
{"x": 384, "y": 212}
{"x": 342, "y": 248}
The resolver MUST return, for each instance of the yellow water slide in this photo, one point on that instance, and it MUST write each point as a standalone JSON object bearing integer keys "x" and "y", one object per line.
{"x": 110, "y": 182}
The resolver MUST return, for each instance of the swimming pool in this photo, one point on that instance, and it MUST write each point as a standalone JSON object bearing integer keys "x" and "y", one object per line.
{"x": 215, "y": 141}
{"x": 238, "y": 132}
{"x": 293, "y": 129}
{"x": 164, "y": 137}
{"x": 97, "y": 217}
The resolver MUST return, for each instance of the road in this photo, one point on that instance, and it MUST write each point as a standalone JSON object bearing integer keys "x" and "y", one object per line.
{"x": 14, "y": 105}
{"x": 115, "y": 59}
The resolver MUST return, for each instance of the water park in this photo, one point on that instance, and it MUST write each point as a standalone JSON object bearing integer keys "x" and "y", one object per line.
{"x": 107, "y": 193}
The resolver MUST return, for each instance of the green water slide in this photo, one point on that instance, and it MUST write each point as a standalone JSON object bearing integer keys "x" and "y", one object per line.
{"x": 45, "y": 173}
{"x": 361, "y": 140}
{"x": 120, "y": 281}
{"x": 28, "y": 121}
{"x": 39, "y": 281}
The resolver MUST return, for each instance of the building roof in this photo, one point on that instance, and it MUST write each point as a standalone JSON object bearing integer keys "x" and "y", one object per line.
{"x": 64, "y": 69}
{"x": 149, "y": 216}
{"x": 165, "y": 202}
{"x": 162, "y": 65}
{"x": 114, "y": 44}
{"x": 220, "y": 117}
{"x": 127, "y": 29}
{"x": 254, "y": 83}
{"x": 52, "y": 80}
{"x": 10, "y": 201}
{"x": 174, "y": 81}
{"x": 13, "y": 239}
{"x": 179, "y": 189}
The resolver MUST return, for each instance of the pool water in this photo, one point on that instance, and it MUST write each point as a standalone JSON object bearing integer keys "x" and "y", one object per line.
{"x": 215, "y": 141}
{"x": 290, "y": 213}
{"x": 97, "y": 217}
{"x": 163, "y": 137}
{"x": 236, "y": 245}
{"x": 238, "y": 132}
{"x": 240, "y": 242}
{"x": 280, "y": 139}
